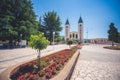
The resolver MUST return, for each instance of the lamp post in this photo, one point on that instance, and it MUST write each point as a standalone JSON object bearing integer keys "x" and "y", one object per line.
{"x": 86, "y": 41}
{"x": 53, "y": 37}
{"x": 87, "y": 35}
{"x": 20, "y": 40}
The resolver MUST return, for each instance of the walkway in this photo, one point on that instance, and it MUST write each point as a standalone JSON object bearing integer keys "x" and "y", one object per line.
{"x": 11, "y": 57}
{"x": 97, "y": 63}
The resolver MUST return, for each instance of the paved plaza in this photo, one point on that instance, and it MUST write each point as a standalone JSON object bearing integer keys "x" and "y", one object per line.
{"x": 10, "y": 57}
{"x": 97, "y": 63}
{"x": 94, "y": 63}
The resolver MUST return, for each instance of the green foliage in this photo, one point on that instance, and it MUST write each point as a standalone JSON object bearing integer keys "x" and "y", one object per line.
{"x": 69, "y": 42}
{"x": 58, "y": 38}
{"x": 118, "y": 46}
{"x": 89, "y": 41}
{"x": 119, "y": 37}
{"x": 17, "y": 17}
{"x": 38, "y": 42}
{"x": 51, "y": 22}
{"x": 113, "y": 33}
{"x": 42, "y": 62}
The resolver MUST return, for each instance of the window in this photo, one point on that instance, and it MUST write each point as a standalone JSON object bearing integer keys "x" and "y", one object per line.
{"x": 73, "y": 35}
{"x": 70, "y": 36}
{"x": 76, "y": 36}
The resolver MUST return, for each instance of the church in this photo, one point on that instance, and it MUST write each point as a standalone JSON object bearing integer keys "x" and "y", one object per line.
{"x": 74, "y": 35}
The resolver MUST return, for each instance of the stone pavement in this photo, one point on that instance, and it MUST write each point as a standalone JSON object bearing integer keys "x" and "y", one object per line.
{"x": 97, "y": 63}
{"x": 10, "y": 57}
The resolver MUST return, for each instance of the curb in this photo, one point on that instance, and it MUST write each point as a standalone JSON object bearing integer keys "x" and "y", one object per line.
{"x": 72, "y": 69}
{"x": 5, "y": 75}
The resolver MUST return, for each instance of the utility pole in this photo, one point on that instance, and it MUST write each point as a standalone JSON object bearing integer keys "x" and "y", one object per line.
{"x": 87, "y": 35}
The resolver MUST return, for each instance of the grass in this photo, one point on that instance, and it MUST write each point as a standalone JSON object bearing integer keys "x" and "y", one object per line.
{"x": 118, "y": 46}
{"x": 113, "y": 47}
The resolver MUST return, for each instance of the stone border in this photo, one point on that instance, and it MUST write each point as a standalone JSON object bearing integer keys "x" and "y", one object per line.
{"x": 5, "y": 75}
{"x": 66, "y": 72}
{"x": 73, "y": 66}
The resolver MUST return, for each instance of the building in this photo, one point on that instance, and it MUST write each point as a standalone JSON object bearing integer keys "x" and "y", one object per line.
{"x": 100, "y": 40}
{"x": 74, "y": 35}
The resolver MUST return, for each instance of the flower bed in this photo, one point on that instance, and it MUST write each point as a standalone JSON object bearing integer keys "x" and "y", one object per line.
{"x": 50, "y": 66}
{"x": 113, "y": 47}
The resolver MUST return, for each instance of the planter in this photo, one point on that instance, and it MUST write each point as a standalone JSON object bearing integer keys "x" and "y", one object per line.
{"x": 66, "y": 72}
{"x": 51, "y": 65}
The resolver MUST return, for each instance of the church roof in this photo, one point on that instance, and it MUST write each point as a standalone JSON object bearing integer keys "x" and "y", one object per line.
{"x": 80, "y": 20}
{"x": 67, "y": 22}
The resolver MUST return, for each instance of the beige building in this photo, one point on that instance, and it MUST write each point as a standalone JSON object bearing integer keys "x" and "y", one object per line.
{"x": 74, "y": 35}
{"x": 100, "y": 40}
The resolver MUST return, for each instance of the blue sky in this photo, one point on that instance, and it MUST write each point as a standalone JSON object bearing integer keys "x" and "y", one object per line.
{"x": 96, "y": 14}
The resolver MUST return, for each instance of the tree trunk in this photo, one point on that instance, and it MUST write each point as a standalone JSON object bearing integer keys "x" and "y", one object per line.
{"x": 38, "y": 60}
{"x": 38, "y": 63}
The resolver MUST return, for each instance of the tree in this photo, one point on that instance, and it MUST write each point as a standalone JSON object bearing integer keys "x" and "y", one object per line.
{"x": 17, "y": 17}
{"x": 69, "y": 42}
{"x": 119, "y": 38}
{"x": 38, "y": 42}
{"x": 51, "y": 23}
{"x": 58, "y": 39}
{"x": 113, "y": 34}
{"x": 6, "y": 29}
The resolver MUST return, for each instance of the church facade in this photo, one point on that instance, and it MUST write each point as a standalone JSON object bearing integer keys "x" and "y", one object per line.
{"x": 74, "y": 35}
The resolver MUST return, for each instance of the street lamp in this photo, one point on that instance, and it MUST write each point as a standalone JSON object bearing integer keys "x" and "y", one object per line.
{"x": 87, "y": 35}
{"x": 53, "y": 36}
{"x": 21, "y": 36}
{"x": 20, "y": 40}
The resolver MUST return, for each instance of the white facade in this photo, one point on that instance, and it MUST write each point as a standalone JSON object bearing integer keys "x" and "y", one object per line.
{"x": 80, "y": 32}
{"x": 67, "y": 31}
{"x": 100, "y": 40}
{"x": 74, "y": 35}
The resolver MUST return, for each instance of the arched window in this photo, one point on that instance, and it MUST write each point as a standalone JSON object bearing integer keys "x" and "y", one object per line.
{"x": 73, "y": 35}
{"x": 66, "y": 26}
{"x": 70, "y": 36}
{"x": 76, "y": 36}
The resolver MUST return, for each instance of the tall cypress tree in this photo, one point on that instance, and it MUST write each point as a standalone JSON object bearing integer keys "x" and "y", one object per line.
{"x": 51, "y": 23}
{"x": 119, "y": 37}
{"x": 113, "y": 34}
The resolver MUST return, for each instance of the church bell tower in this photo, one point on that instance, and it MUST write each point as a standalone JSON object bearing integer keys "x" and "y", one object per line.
{"x": 67, "y": 30}
{"x": 80, "y": 30}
